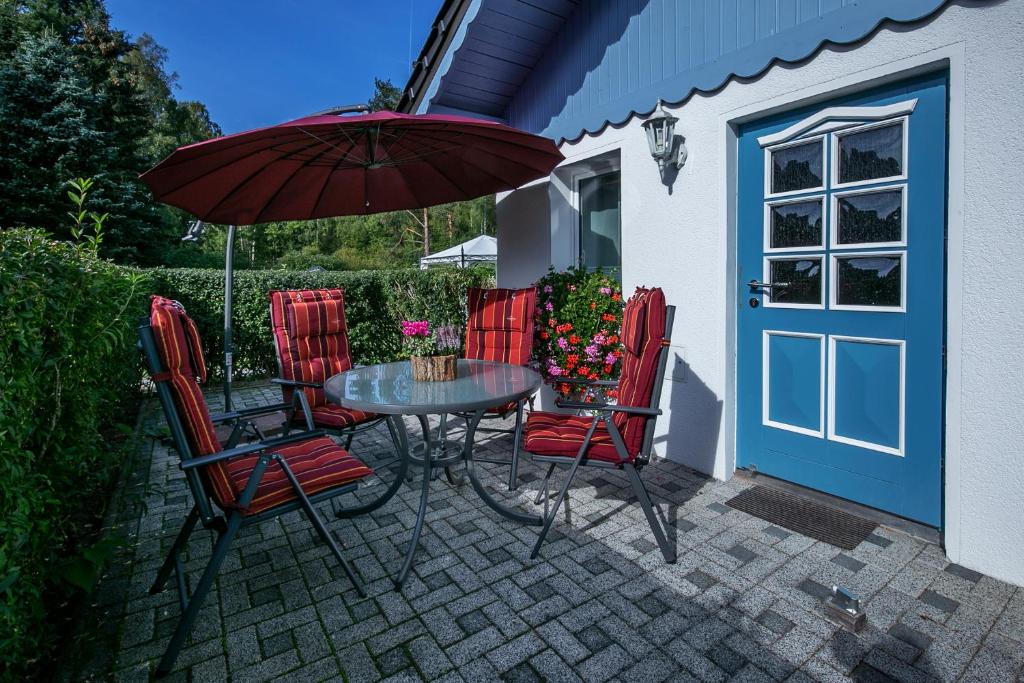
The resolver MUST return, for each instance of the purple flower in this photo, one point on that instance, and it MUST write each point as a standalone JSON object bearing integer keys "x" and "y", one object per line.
{"x": 562, "y": 343}
{"x": 554, "y": 370}
{"x": 607, "y": 291}
{"x": 610, "y": 359}
{"x": 592, "y": 352}
{"x": 548, "y": 289}
{"x": 600, "y": 339}
{"x": 549, "y": 306}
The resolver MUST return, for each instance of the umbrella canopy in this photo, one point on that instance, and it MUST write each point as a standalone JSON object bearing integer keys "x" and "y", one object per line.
{"x": 322, "y": 166}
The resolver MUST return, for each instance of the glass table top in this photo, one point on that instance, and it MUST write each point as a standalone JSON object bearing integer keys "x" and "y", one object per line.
{"x": 390, "y": 389}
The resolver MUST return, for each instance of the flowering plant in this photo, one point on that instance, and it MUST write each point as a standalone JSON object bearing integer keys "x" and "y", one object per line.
{"x": 577, "y": 324}
{"x": 421, "y": 341}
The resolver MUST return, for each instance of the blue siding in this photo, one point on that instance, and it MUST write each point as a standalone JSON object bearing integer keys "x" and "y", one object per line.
{"x": 566, "y": 67}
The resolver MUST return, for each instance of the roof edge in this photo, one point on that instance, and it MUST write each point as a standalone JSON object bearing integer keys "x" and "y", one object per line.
{"x": 442, "y": 32}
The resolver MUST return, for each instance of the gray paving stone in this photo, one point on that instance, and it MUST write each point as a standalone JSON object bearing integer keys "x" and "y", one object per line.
{"x": 742, "y": 602}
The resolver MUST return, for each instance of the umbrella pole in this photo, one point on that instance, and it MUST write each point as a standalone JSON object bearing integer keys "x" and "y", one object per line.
{"x": 229, "y": 280}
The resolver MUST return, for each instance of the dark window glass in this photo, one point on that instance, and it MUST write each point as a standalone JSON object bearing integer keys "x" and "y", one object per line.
{"x": 871, "y": 154}
{"x": 796, "y": 281}
{"x": 796, "y": 225}
{"x": 600, "y": 232}
{"x": 873, "y": 217}
{"x": 869, "y": 281}
{"x": 797, "y": 167}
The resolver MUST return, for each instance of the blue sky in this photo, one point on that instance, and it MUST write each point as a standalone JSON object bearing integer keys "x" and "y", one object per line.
{"x": 260, "y": 62}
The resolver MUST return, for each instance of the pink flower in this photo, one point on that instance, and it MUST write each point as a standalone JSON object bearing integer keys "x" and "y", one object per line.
{"x": 607, "y": 291}
{"x": 562, "y": 343}
{"x": 549, "y": 306}
{"x": 572, "y": 288}
{"x": 600, "y": 339}
{"x": 592, "y": 352}
{"x": 415, "y": 328}
{"x": 548, "y": 289}
{"x": 554, "y": 370}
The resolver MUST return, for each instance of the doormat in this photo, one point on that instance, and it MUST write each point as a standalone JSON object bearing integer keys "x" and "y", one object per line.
{"x": 804, "y": 516}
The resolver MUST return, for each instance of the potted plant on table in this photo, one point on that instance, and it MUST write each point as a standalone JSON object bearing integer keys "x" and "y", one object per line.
{"x": 433, "y": 354}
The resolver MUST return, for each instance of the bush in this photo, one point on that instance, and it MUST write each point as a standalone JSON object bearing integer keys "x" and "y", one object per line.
{"x": 68, "y": 373}
{"x": 375, "y": 304}
{"x": 578, "y": 318}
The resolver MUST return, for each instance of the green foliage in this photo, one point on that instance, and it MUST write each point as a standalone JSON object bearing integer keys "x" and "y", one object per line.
{"x": 386, "y": 95}
{"x": 68, "y": 373}
{"x": 375, "y": 303}
{"x": 79, "y": 98}
{"x": 578, "y": 319}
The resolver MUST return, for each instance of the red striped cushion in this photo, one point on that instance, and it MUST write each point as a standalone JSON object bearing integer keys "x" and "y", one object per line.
{"x": 318, "y": 464}
{"x": 554, "y": 434}
{"x": 316, "y": 318}
{"x": 180, "y": 356}
{"x": 500, "y": 324}
{"x": 646, "y": 310}
{"x": 333, "y": 416}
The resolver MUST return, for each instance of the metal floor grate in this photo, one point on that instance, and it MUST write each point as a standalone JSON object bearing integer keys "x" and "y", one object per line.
{"x": 804, "y": 516}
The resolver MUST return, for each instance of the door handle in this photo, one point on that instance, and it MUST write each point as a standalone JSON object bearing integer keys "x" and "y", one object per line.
{"x": 754, "y": 284}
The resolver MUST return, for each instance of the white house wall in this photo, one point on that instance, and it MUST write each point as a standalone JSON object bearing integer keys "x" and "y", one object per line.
{"x": 681, "y": 239}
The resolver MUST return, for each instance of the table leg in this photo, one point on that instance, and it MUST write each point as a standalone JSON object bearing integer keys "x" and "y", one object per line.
{"x": 401, "y": 440}
{"x": 421, "y": 515}
{"x": 467, "y": 455}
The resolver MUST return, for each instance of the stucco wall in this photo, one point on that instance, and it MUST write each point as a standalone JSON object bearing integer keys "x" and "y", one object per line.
{"x": 681, "y": 238}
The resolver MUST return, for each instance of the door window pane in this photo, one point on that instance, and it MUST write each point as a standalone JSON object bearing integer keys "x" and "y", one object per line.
{"x": 869, "y": 280}
{"x": 797, "y": 224}
{"x": 871, "y": 154}
{"x": 797, "y": 168}
{"x": 600, "y": 228}
{"x": 796, "y": 281}
{"x": 870, "y": 217}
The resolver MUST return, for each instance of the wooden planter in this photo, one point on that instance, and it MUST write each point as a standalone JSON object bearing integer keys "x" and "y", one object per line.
{"x": 434, "y": 368}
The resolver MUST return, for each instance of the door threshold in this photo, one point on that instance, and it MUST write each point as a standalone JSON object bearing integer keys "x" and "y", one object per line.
{"x": 921, "y": 532}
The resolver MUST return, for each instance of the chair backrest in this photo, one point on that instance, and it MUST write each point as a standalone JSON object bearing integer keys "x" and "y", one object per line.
{"x": 646, "y": 334}
{"x": 500, "y": 324}
{"x": 173, "y": 352}
{"x": 310, "y": 337}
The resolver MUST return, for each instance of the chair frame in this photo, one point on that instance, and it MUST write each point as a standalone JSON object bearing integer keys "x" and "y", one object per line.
{"x": 227, "y": 523}
{"x": 632, "y": 467}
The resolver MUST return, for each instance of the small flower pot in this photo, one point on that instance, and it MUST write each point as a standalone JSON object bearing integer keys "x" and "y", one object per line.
{"x": 434, "y": 368}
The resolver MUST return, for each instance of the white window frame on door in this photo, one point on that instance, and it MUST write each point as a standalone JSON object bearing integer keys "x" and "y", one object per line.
{"x": 834, "y": 218}
{"x": 769, "y": 205}
{"x": 768, "y": 194}
{"x": 767, "y": 277}
{"x": 832, "y": 436}
{"x": 766, "y": 380}
{"x": 904, "y": 162}
{"x": 834, "y": 281}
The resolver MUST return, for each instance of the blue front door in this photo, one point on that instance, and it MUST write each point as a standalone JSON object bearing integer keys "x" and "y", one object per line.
{"x": 841, "y": 241}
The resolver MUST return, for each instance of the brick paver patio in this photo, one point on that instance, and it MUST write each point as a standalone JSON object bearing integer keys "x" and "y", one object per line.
{"x": 742, "y": 603}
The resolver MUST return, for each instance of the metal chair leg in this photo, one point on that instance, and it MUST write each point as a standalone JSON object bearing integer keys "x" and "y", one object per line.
{"x": 543, "y": 493}
{"x": 348, "y": 440}
{"x": 179, "y": 543}
{"x": 513, "y": 477}
{"x": 184, "y": 626}
{"x": 318, "y": 524}
{"x": 667, "y": 551}
{"x": 549, "y": 519}
{"x": 420, "y": 516}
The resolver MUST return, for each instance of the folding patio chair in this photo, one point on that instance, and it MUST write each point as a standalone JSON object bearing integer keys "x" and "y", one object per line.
{"x": 618, "y": 436}
{"x": 499, "y": 327}
{"x": 238, "y": 486}
{"x": 311, "y": 340}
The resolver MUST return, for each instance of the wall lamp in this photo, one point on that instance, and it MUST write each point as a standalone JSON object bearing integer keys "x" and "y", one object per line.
{"x": 667, "y": 148}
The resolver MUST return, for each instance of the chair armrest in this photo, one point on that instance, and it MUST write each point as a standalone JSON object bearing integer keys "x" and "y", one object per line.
{"x": 587, "y": 382}
{"x": 248, "y": 412}
{"x": 248, "y": 449}
{"x": 296, "y": 383}
{"x": 632, "y": 410}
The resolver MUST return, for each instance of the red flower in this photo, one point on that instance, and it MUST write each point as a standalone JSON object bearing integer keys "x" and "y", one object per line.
{"x": 583, "y": 371}
{"x": 544, "y": 334}
{"x": 593, "y": 305}
{"x": 573, "y": 339}
{"x": 552, "y": 322}
{"x": 614, "y": 339}
{"x": 593, "y": 375}
{"x": 607, "y": 369}
{"x": 616, "y": 297}
{"x": 563, "y": 389}
{"x": 608, "y": 317}
{"x": 613, "y": 393}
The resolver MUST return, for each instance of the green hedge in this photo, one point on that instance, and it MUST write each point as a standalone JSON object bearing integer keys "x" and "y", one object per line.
{"x": 375, "y": 302}
{"x": 68, "y": 371}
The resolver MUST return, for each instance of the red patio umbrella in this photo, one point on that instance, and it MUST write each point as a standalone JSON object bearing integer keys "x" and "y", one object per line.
{"x": 321, "y": 166}
{"x": 330, "y": 165}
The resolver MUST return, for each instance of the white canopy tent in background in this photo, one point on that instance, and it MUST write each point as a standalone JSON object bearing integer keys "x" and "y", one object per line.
{"x": 482, "y": 249}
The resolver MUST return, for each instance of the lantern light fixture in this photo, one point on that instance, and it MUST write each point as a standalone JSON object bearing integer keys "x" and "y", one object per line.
{"x": 665, "y": 146}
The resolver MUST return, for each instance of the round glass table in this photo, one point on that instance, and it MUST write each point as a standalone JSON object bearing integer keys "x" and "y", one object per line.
{"x": 390, "y": 390}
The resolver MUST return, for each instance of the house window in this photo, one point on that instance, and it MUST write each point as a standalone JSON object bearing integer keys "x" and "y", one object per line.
{"x": 600, "y": 238}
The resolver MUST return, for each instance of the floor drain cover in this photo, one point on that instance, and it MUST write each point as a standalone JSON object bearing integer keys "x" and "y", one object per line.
{"x": 804, "y": 516}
